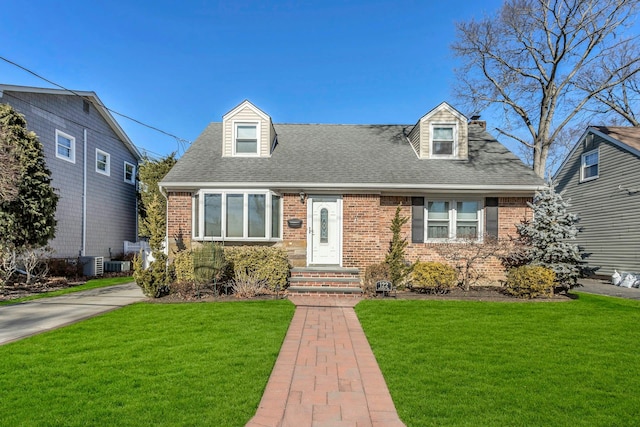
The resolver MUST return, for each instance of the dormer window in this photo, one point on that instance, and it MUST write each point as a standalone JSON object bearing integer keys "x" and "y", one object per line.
{"x": 246, "y": 139}
{"x": 443, "y": 140}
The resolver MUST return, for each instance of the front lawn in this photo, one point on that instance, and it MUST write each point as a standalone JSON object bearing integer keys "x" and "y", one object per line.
{"x": 518, "y": 364}
{"x": 146, "y": 364}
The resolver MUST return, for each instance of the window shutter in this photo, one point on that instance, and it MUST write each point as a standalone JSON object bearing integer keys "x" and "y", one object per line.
{"x": 417, "y": 220}
{"x": 491, "y": 216}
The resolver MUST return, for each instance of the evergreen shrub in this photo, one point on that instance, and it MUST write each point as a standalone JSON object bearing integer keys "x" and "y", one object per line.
{"x": 183, "y": 267}
{"x": 433, "y": 277}
{"x": 529, "y": 281}
{"x": 260, "y": 262}
{"x": 153, "y": 280}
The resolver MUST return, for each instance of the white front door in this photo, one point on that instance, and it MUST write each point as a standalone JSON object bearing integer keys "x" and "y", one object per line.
{"x": 325, "y": 230}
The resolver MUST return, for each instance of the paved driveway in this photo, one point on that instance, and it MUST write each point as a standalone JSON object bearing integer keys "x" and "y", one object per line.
{"x": 32, "y": 317}
{"x": 604, "y": 287}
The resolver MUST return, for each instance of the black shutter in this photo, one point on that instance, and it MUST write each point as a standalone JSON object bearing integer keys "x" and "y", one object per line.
{"x": 417, "y": 220}
{"x": 491, "y": 216}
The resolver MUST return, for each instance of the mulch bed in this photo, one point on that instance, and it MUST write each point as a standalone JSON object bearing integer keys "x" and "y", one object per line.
{"x": 478, "y": 293}
{"x": 20, "y": 290}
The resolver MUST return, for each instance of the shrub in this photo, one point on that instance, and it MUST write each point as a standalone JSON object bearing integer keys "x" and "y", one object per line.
{"x": 208, "y": 262}
{"x": 67, "y": 267}
{"x": 263, "y": 263}
{"x": 153, "y": 280}
{"x": 185, "y": 290}
{"x": 373, "y": 274}
{"x": 248, "y": 285}
{"x": 529, "y": 281}
{"x": 183, "y": 267}
{"x": 395, "y": 258}
{"x": 433, "y": 277}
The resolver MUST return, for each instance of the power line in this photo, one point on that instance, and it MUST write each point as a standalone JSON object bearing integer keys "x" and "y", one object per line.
{"x": 181, "y": 141}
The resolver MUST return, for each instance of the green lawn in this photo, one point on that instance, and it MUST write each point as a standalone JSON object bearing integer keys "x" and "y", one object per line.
{"x": 91, "y": 284}
{"x": 460, "y": 363}
{"x": 146, "y": 364}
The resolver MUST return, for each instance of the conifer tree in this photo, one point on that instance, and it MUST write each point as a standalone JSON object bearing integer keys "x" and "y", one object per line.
{"x": 150, "y": 173}
{"x": 28, "y": 219}
{"x": 398, "y": 269}
{"x": 548, "y": 238}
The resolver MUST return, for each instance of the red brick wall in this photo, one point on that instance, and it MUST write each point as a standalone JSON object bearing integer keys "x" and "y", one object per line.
{"x": 294, "y": 240}
{"x": 366, "y": 233}
{"x": 179, "y": 219}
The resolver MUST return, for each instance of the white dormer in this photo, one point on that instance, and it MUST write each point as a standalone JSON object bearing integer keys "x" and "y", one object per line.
{"x": 247, "y": 132}
{"x": 441, "y": 134}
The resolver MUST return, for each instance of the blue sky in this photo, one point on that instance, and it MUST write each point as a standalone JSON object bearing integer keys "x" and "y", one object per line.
{"x": 180, "y": 65}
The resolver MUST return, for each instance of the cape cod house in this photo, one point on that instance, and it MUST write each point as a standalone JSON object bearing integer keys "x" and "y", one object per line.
{"x": 327, "y": 193}
{"x": 601, "y": 178}
{"x": 93, "y": 168}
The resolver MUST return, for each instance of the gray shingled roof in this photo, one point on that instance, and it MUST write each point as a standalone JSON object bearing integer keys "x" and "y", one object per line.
{"x": 349, "y": 155}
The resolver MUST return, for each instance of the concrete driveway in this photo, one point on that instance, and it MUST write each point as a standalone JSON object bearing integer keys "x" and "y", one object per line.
{"x": 32, "y": 317}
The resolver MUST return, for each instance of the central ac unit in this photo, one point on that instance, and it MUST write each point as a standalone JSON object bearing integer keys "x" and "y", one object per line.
{"x": 92, "y": 265}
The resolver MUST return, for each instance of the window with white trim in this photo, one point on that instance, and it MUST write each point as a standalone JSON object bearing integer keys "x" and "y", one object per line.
{"x": 443, "y": 140}
{"x": 65, "y": 147}
{"x": 103, "y": 162}
{"x": 237, "y": 215}
{"x": 129, "y": 173}
{"x": 453, "y": 220}
{"x": 246, "y": 139}
{"x": 589, "y": 165}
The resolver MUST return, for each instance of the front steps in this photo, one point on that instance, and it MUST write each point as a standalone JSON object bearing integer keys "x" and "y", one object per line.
{"x": 321, "y": 281}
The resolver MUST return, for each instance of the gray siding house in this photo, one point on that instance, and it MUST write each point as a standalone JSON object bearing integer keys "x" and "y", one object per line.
{"x": 601, "y": 177}
{"x": 93, "y": 168}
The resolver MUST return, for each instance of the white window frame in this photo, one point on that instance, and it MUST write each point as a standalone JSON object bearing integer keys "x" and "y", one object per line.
{"x": 107, "y": 170}
{"x": 583, "y": 165}
{"x": 453, "y": 218}
{"x": 235, "y": 138}
{"x": 454, "y": 148}
{"x": 133, "y": 173}
{"x": 72, "y": 150}
{"x": 200, "y": 198}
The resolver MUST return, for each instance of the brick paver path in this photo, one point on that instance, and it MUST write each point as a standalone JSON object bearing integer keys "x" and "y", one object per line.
{"x": 326, "y": 374}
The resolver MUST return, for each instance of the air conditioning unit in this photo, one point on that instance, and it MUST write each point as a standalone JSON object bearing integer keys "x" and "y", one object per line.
{"x": 92, "y": 265}
{"x": 117, "y": 266}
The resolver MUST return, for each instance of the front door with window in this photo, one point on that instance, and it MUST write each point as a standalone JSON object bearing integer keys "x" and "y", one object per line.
{"x": 325, "y": 228}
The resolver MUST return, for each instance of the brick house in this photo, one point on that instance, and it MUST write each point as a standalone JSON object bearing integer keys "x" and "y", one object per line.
{"x": 93, "y": 168}
{"x": 328, "y": 193}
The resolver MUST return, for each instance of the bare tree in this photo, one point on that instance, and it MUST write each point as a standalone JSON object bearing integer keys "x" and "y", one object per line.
{"x": 532, "y": 58}
{"x": 622, "y": 100}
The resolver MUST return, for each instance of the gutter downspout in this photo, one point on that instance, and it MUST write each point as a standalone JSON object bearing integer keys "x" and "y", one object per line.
{"x": 84, "y": 196}
{"x": 166, "y": 220}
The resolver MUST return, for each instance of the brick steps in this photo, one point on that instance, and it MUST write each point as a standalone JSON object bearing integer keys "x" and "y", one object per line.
{"x": 334, "y": 281}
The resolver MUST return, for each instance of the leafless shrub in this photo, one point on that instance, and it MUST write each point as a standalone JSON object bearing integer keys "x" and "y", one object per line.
{"x": 34, "y": 262}
{"x": 8, "y": 264}
{"x": 247, "y": 285}
{"x": 465, "y": 255}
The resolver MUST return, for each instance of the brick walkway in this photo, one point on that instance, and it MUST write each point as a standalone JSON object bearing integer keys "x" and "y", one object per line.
{"x": 326, "y": 374}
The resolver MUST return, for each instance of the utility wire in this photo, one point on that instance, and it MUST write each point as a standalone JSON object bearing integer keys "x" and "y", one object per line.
{"x": 180, "y": 141}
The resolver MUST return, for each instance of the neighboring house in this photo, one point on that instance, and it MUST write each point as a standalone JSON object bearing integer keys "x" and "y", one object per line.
{"x": 93, "y": 168}
{"x": 601, "y": 179}
{"x": 328, "y": 193}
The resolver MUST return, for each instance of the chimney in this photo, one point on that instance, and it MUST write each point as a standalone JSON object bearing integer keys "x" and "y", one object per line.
{"x": 475, "y": 120}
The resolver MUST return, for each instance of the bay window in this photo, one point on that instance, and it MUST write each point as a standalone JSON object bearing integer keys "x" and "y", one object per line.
{"x": 236, "y": 215}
